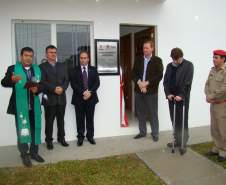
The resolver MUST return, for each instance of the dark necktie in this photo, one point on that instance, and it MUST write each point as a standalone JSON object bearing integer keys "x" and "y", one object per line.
{"x": 28, "y": 74}
{"x": 85, "y": 78}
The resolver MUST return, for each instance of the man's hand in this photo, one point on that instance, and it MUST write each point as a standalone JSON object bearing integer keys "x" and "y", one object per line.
{"x": 170, "y": 97}
{"x": 142, "y": 84}
{"x": 16, "y": 78}
{"x": 144, "y": 90}
{"x": 58, "y": 90}
{"x": 34, "y": 90}
{"x": 86, "y": 95}
{"x": 178, "y": 98}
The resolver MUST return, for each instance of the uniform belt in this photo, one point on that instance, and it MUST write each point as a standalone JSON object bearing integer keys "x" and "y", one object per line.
{"x": 219, "y": 102}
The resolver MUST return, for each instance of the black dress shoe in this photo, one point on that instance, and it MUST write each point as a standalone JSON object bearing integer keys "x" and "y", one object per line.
{"x": 211, "y": 153}
{"x": 63, "y": 142}
{"x": 26, "y": 160}
{"x": 155, "y": 138}
{"x": 49, "y": 145}
{"x": 91, "y": 141}
{"x": 138, "y": 136}
{"x": 221, "y": 159}
{"x": 37, "y": 158}
{"x": 79, "y": 142}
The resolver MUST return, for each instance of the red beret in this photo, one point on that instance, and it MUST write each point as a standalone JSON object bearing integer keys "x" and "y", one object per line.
{"x": 219, "y": 52}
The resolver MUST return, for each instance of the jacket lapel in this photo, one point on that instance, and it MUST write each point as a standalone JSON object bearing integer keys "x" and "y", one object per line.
{"x": 51, "y": 68}
{"x": 89, "y": 76}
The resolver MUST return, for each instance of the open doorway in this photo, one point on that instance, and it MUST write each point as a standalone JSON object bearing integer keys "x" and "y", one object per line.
{"x": 131, "y": 46}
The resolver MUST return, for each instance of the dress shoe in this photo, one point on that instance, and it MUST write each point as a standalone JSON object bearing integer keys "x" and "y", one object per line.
{"x": 170, "y": 145}
{"x": 91, "y": 141}
{"x": 155, "y": 138}
{"x": 63, "y": 142}
{"x": 49, "y": 145}
{"x": 26, "y": 160}
{"x": 37, "y": 158}
{"x": 138, "y": 136}
{"x": 80, "y": 142}
{"x": 221, "y": 159}
{"x": 211, "y": 153}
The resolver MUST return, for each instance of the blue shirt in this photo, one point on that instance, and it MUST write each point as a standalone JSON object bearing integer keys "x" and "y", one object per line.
{"x": 146, "y": 60}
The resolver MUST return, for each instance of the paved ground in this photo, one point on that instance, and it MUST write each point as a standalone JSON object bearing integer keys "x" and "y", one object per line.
{"x": 9, "y": 155}
{"x": 190, "y": 169}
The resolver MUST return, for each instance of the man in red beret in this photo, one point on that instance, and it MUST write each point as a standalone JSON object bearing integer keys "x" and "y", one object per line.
{"x": 215, "y": 90}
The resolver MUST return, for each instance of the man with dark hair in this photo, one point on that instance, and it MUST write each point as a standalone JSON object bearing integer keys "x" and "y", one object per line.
{"x": 215, "y": 90}
{"x": 55, "y": 82}
{"x": 84, "y": 81}
{"x": 23, "y": 78}
{"x": 147, "y": 73}
{"x": 177, "y": 86}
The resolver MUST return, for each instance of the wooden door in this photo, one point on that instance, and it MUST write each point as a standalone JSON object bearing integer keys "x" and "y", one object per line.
{"x": 140, "y": 37}
{"x": 126, "y": 66}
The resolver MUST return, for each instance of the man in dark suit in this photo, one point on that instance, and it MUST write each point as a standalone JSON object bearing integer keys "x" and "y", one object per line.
{"x": 55, "y": 82}
{"x": 25, "y": 105}
{"x": 177, "y": 86}
{"x": 147, "y": 73}
{"x": 84, "y": 81}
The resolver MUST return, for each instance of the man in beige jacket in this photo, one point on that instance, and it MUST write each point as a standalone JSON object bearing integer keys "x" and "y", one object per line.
{"x": 215, "y": 90}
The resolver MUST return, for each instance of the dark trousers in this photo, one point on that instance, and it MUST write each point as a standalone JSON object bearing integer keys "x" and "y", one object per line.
{"x": 52, "y": 112}
{"x": 85, "y": 119}
{"x": 24, "y": 148}
{"x": 179, "y": 120}
{"x": 147, "y": 109}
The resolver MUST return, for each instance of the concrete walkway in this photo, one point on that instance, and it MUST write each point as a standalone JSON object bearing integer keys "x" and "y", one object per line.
{"x": 190, "y": 169}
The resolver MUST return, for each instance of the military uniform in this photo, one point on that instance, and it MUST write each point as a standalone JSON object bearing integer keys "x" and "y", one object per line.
{"x": 215, "y": 89}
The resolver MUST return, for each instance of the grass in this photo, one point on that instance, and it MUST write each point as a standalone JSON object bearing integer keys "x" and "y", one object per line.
{"x": 203, "y": 148}
{"x": 117, "y": 170}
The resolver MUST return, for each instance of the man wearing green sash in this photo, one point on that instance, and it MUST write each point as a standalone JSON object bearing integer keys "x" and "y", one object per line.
{"x": 23, "y": 78}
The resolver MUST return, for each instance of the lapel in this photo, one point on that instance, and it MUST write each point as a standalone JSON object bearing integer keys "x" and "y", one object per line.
{"x": 150, "y": 62}
{"x": 89, "y": 75}
{"x": 51, "y": 68}
{"x": 80, "y": 73}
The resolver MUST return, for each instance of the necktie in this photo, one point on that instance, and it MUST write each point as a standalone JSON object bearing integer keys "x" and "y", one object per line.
{"x": 28, "y": 74}
{"x": 85, "y": 78}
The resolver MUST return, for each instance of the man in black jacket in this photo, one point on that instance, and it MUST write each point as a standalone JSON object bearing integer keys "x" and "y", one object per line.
{"x": 55, "y": 82}
{"x": 177, "y": 86}
{"x": 84, "y": 81}
{"x": 147, "y": 73}
{"x": 25, "y": 105}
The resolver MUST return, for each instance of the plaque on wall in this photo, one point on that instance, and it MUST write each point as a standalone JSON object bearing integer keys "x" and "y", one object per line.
{"x": 107, "y": 56}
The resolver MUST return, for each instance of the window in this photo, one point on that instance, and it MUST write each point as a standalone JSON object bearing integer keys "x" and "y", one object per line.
{"x": 69, "y": 38}
{"x": 36, "y": 36}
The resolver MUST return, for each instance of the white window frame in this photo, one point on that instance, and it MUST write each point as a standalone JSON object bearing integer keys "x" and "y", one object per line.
{"x": 54, "y": 33}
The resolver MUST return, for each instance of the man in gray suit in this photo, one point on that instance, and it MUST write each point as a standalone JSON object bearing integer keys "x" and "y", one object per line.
{"x": 55, "y": 82}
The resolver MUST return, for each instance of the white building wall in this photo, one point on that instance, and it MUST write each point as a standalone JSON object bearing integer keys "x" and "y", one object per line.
{"x": 197, "y": 26}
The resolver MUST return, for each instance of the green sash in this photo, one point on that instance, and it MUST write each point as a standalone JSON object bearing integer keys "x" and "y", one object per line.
{"x": 22, "y": 107}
